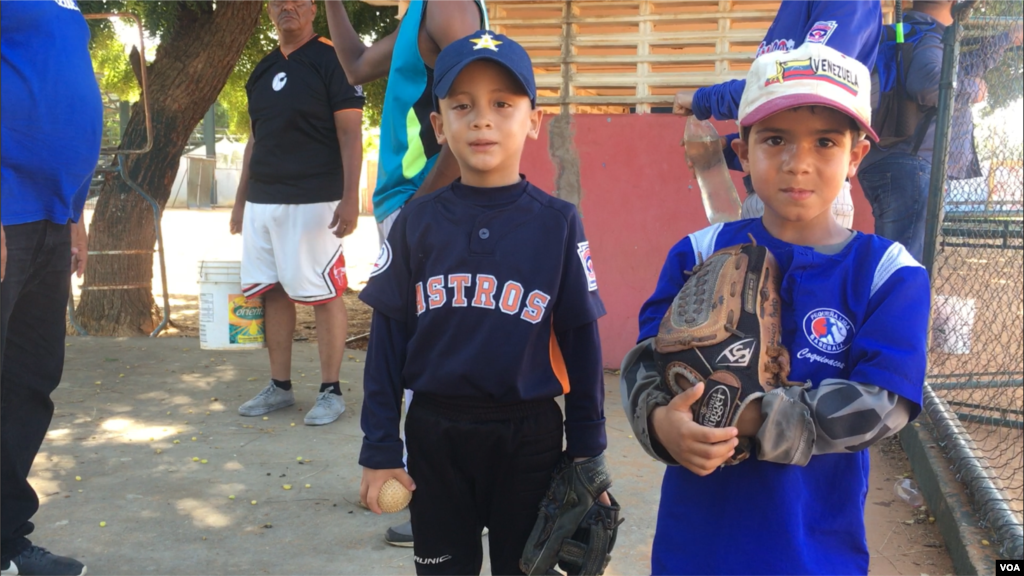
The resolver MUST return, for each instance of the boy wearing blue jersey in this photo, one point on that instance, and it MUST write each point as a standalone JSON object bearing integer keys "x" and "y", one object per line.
{"x": 485, "y": 305}
{"x": 854, "y": 318}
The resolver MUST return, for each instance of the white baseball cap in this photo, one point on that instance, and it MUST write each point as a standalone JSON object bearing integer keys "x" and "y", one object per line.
{"x": 811, "y": 75}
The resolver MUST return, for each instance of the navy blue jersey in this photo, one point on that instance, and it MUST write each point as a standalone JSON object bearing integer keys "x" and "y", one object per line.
{"x": 490, "y": 286}
{"x": 860, "y": 315}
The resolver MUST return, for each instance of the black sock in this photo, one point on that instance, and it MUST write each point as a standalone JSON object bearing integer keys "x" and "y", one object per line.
{"x": 282, "y": 384}
{"x": 334, "y": 387}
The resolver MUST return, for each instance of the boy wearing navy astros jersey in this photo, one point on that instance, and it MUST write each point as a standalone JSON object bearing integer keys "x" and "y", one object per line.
{"x": 485, "y": 305}
{"x": 854, "y": 318}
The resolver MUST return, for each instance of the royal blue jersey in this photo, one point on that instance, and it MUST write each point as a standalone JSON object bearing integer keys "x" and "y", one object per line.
{"x": 860, "y": 314}
{"x": 52, "y": 112}
{"x": 852, "y": 27}
{"x": 486, "y": 283}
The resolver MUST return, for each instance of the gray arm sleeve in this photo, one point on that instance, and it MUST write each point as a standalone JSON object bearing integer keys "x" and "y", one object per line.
{"x": 838, "y": 416}
{"x": 642, "y": 391}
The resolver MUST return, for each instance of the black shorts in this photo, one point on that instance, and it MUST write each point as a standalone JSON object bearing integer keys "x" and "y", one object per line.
{"x": 477, "y": 465}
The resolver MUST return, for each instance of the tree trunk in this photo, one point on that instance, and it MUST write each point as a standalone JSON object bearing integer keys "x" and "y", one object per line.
{"x": 191, "y": 66}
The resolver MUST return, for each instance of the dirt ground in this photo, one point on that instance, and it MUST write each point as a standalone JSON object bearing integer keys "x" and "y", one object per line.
{"x": 146, "y": 438}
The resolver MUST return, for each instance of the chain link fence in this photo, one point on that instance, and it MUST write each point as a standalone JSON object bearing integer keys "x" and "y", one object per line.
{"x": 975, "y": 253}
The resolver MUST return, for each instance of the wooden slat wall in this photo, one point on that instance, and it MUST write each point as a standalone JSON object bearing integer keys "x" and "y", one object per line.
{"x": 616, "y": 56}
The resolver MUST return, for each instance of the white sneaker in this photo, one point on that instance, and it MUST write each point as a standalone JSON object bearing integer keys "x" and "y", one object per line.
{"x": 269, "y": 399}
{"x": 326, "y": 410}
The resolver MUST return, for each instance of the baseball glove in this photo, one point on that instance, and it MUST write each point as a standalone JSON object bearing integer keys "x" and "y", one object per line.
{"x": 724, "y": 329}
{"x": 573, "y": 529}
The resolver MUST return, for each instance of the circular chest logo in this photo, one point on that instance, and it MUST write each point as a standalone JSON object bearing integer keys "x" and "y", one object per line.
{"x": 279, "y": 81}
{"x": 828, "y": 330}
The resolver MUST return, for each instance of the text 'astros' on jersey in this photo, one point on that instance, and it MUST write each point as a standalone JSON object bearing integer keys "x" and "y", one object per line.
{"x": 484, "y": 288}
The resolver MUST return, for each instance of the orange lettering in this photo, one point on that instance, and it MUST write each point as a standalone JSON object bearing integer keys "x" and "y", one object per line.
{"x": 536, "y": 302}
{"x": 485, "y": 287}
{"x": 435, "y": 290}
{"x": 459, "y": 282}
{"x": 511, "y": 297}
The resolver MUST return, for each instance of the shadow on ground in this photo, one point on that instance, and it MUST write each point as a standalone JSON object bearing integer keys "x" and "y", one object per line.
{"x": 136, "y": 419}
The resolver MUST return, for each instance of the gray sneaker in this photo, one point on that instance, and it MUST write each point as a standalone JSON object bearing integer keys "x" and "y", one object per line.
{"x": 400, "y": 535}
{"x": 38, "y": 560}
{"x": 326, "y": 410}
{"x": 269, "y": 399}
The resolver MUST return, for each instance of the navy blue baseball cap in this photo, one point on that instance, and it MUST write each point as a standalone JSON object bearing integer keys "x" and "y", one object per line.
{"x": 483, "y": 45}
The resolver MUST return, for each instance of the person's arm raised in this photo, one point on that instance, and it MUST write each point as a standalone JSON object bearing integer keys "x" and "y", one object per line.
{"x": 361, "y": 63}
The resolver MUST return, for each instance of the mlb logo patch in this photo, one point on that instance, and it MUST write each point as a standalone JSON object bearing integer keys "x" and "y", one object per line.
{"x": 583, "y": 249}
{"x": 821, "y": 32}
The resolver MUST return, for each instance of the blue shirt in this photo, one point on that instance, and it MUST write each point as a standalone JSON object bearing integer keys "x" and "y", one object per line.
{"x": 52, "y": 112}
{"x": 860, "y": 315}
{"x": 485, "y": 282}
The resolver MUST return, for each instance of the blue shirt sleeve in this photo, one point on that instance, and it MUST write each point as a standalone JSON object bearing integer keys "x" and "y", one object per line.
{"x": 890, "y": 350}
{"x": 721, "y": 101}
{"x": 382, "y": 394}
{"x": 925, "y": 70}
{"x": 680, "y": 259}
{"x": 584, "y": 404}
{"x": 985, "y": 54}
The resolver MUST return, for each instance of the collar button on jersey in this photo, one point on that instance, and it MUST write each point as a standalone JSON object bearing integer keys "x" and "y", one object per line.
{"x": 484, "y": 233}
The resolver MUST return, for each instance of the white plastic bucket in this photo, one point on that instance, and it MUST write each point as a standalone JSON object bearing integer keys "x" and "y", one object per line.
{"x": 952, "y": 324}
{"x": 227, "y": 321}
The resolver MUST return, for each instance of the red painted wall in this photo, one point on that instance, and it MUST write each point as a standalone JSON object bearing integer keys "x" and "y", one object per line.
{"x": 638, "y": 200}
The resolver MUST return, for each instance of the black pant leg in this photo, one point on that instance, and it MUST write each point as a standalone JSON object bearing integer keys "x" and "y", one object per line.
{"x": 446, "y": 523}
{"x": 33, "y": 298}
{"x": 534, "y": 447}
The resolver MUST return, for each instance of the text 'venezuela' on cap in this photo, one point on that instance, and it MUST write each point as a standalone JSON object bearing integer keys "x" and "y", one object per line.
{"x": 483, "y": 45}
{"x": 811, "y": 75}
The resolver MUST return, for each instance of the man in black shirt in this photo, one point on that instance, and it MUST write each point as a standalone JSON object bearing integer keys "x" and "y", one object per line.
{"x": 298, "y": 196}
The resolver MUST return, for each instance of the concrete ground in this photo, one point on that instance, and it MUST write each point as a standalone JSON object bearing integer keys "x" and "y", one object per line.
{"x": 133, "y": 414}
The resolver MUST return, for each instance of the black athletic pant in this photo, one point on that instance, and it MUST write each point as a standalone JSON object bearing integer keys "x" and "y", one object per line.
{"x": 33, "y": 301}
{"x": 478, "y": 465}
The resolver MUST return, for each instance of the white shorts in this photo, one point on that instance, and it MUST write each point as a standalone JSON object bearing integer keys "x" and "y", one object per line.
{"x": 291, "y": 245}
{"x": 384, "y": 228}
{"x": 842, "y": 207}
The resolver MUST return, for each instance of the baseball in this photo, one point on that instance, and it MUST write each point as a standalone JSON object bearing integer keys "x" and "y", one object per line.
{"x": 393, "y": 497}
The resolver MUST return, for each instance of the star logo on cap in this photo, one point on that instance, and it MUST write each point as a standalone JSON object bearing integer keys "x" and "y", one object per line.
{"x": 486, "y": 41}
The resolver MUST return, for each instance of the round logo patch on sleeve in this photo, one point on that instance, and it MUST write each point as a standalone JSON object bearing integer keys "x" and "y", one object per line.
{"x": 383, "y": 260}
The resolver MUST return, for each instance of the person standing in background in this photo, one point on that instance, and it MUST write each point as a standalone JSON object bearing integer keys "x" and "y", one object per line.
{"x": 51, "y": 132}
{"x": 896, "y": 179}
{"x": 297, "y": 197}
